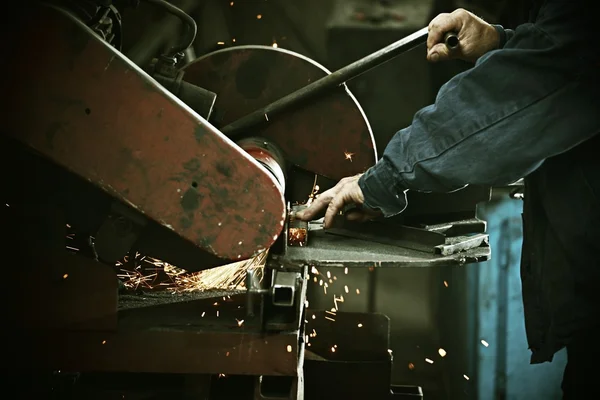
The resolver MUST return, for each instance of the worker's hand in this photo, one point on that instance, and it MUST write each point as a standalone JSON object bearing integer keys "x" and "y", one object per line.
{"x": 346, "y": 192}
{"x": 476, "y": 37}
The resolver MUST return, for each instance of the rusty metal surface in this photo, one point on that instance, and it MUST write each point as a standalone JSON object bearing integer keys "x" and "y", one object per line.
{"x": 315, "y": 136}
{"x": 85, "y": 106}
{"x": 195, "y": 337}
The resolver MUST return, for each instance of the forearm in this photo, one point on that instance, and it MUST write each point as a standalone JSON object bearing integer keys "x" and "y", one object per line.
{"x": 490, "y": 125}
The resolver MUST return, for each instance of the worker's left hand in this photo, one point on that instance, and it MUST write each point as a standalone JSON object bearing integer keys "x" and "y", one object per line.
{"x": 346, "y": 192}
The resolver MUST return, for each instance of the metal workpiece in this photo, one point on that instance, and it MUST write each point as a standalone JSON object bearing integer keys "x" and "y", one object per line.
{"x": 297, "y": 230}
{"x": 150, "y": 151}
{"x": 333, "y": 81}
{"x": 247, "y": 78}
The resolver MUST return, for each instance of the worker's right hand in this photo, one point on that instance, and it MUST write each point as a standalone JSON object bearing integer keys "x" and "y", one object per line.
{"x": 476, "y": 37}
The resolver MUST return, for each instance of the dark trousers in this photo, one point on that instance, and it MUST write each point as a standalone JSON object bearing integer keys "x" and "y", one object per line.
{"x": 581, "y": 379}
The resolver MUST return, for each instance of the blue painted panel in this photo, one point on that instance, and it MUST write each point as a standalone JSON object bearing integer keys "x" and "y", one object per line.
{"x": 503, "y": 370}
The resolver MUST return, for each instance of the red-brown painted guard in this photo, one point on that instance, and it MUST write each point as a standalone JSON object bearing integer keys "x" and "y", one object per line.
{"x": 82, "y": 104}
{"x": 316, "y": 136}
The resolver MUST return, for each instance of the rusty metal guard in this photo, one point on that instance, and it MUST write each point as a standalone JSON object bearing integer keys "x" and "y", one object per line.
{"x": 82, "y": 104}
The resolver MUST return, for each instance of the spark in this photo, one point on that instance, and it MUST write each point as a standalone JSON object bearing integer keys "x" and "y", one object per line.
{"x": 411, "y": 366}
{"x": 446, "y": 283}
{"x": 466, "y": 377}
{"x": 313, "y": 194}
{"x": 259, "y": 16}
{"x": 222, "y": 376}
{"x": 330, "y": 319}
{"x": 275, "y": 45}
{"x": 314, "y": 270}
{"x": 240, "y": 322}
{"x": 203, "y": 314}
{"x": 266, "y": 116}
{"x": 217, "y": 313}
{"x": 315, "y": 279}
{"x": 72, "y": 248}
{"x": 104, "y": 342}
{"x": 429, "y": 361}
{"x": 65, "y": 276}
{"x": 227, "y": 354}
{"x": 348, "y": 156}
{"x": 314, "y": 316}
{"x": 221, "y": 43}
{"x": 233, "y": 40}
{"x": 346, "y": 271}
{"x": 333, "y": 349}
{"x": 483, "y": 342}
{"x": 336, "y": 299}
{"x": 442, "y": 352}
{"x": 231, "y": 4}
{"x": 216, "y": 304}
{"x": 346, "y": 289}
{"x": 320, "y": 282}
{"x": 328, "y": 275}
{"x": 360, "y": 325}
{"x": 357, "y": 291}
{"x": 289, "y": 348}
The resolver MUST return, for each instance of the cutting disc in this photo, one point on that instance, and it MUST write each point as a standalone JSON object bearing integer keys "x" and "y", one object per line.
{"x": 328, "y": 136}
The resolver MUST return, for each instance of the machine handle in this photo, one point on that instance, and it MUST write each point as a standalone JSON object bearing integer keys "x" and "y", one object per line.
{"x": 334, "y": 80}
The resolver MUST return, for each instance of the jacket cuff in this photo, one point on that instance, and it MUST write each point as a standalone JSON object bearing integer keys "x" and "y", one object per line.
{"x": 383, "y": 190}
{"x": 503, "y": 34}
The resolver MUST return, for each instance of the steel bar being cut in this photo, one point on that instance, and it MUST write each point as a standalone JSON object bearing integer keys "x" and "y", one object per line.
{"x": 334, "y": 80}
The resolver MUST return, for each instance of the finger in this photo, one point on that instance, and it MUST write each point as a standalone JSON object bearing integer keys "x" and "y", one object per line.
{"x": 317, "y": 207}
{"x": 439, "y": 52}
{"x": 336, "y": 204}
{"x": 358, "y": 216}
{"x": 441, "y": 25}
{"x": 435, "y": 35}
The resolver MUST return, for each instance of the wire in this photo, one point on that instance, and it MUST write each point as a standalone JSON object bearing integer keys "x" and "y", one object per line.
{"x": 192, "y": 28}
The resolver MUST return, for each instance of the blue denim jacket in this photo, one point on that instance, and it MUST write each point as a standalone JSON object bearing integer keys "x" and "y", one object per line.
{"x": 530, "y": 109}
{"x": 534, "y": 98}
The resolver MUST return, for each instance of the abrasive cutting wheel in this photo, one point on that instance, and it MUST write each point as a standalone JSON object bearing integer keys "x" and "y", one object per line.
{"x": 328, "y": 136}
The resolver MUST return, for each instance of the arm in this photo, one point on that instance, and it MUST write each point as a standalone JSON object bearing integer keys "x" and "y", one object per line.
{"x": 499, "y": 121}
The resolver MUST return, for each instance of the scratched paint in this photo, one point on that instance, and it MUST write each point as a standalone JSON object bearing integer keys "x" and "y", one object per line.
{"x": 112, "y": 131}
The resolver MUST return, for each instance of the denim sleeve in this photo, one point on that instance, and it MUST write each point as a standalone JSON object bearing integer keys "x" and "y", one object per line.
{"x": 497, "y": 122}
{"x": 504, "y": 34}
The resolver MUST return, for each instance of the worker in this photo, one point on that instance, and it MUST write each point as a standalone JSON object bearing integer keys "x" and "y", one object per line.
{"x": 529, "y": 107}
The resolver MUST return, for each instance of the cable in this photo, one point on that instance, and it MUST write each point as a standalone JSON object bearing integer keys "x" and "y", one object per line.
{"x": 192, "y": 28}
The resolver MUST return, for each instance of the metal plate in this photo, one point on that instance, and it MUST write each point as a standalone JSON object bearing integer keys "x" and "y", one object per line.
{"x": 315, "y": 137}
{"x": 329, "y": 250}
{"x": 77, "y": 101}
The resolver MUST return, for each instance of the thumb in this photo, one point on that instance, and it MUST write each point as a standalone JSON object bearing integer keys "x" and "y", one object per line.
{"x": 439, "y": 52}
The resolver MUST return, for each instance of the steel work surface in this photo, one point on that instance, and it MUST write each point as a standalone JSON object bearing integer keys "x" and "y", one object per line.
{"x": 190, "y": 337}
{"x": 329, "y": 250}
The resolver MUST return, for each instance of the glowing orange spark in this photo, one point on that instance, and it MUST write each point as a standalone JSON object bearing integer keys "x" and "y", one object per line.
{"x": 348, "y": 156}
